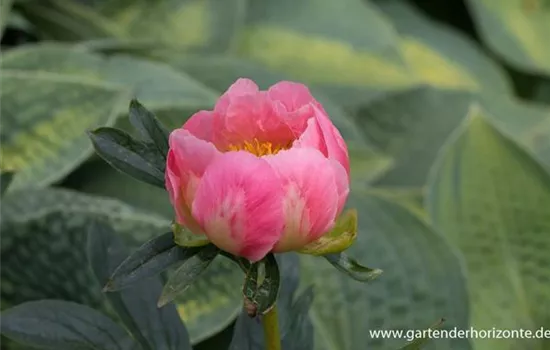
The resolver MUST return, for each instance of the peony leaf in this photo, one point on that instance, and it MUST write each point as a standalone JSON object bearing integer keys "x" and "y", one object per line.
{"x": 340, "y": 238}
{"x": 187, "y": 273}
{"x": 135, "y": 158}
{"x": 150, "y": 128}
{"x": 260, "y": 290}
{"x": 149, "y": 260}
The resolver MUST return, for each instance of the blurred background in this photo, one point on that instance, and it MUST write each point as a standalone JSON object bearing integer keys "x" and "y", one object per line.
{"x": 445, "y": 106}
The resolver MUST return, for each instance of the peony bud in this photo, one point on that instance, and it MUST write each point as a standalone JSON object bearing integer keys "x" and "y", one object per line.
{"x": 264, "y": 171}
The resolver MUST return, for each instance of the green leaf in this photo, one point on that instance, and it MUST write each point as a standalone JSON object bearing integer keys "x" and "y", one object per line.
{"x": 185, "y": 238}
{"x": 517, "y": 31}
{"x": 422, "y": 281}
{"x": 261, "y": 287}
{"x": 340, "y": 238}
{"x": 150, "y": 128}
{"x": 5, "y": 9}
{"x": 491, "y": 199}
{"x": 412, "y": 125}
{"x": 156, "y": 85}
{"x": 47, "y": 236}
{"x": 63, "y": 325}
{"x": 187, "y": 273}
{"x": 152, "y": 327}
{"x": 149, "y": 260}
{"x": 352, "y": 268}
{"x": 132, "y": 157}
{"x": 5, "y": 179}
{"x": 294, "y": 323}
{"x": 418, "y": 343}
{"x": 56, "y": 110}
{"x": 441, "y": 56}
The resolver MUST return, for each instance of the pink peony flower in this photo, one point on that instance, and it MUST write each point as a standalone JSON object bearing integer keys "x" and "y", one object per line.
{"x": 264, "y": 171}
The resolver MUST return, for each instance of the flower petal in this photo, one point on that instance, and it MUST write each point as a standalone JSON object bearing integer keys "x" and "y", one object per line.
{"x": 187, "y": 161}
{"x": 292, "y": 95}
{"x": 241, "y": 87}
{"x": 311, "y": 197}
{"x": 312, "y": 137}
{"x": 342, "y": 184}
{"x": 336, "y": 146}
{"x": 200, "y": 125}
{"x": 239, "y": 205}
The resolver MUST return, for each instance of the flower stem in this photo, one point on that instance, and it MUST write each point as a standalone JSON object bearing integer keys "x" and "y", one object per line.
{"x": 271, "y": 330}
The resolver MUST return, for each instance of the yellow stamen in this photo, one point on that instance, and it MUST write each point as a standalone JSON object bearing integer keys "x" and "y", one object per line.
{"x": 258, "y": 148}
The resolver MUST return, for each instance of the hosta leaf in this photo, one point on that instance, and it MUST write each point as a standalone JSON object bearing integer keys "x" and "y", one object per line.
{"x": 294, "y": 323}
{"x": 492, "y": 200}
{"x": 307, "y": 40}
{"x": 152, "y": 327}
{"x": 412, "y": 125}
{"x": 516, "y": 30}
{"x": 44, "y": 119}
{"x": 55, "y": 260}
{"x": 63, "y": 325}
{"x": 149, "y": 260}
{"x": 441, "y": 56}
{"x": 189, "y": 270}
{"x": 5, "y": 9}
{"x": 157, "y": 86}
{"x": 140, "y": 160}
{"x": 422, "y": 282}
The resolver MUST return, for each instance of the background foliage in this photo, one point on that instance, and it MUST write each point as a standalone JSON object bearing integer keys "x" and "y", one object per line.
{"x": 444, "y": 105}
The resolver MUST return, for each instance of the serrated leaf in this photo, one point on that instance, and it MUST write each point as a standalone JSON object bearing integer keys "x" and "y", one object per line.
{"x": 294, "y": 323}
{"x": 516, "y": 30}
{"x": 150, "y": 128}
{"x": 57, "y": 110}
{"x": 5, "y": 179}
{"x": 261, "y": 288}
{"x": 352, "y": 268}
{"x": 491, "y": 199}
{"x": 5, "y": 9}
{"x": 63, "y": 325}
{"x": 149, "y": 260}
{"x": 187, "y": 273}
{"x": 422, "y": 281}
{"x": 132, "y": 157}
{"x": 340, "y": 238}
{"x": 152, "y": 327}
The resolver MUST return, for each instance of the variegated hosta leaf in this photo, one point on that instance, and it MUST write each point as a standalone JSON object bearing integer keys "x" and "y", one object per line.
{"x": 44, "y": 231}
{"x": 517, "y": 30}
{"x": 44, "y": 120}
{"x": 412, "y": 125}
{"x": 139, "y": 25}
{"x": 492, "y": 200}
{"x": 422, "y": 282}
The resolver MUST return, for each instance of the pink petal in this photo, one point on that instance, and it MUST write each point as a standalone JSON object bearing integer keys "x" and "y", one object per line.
{"x": 187, "y": 160}
{"x": 312, "y": 137}
{"x": 200, "y": 125}
{"x": 336, "y": 146}
{"x": 342, "y": 184}
{"x": 239, "y": 205}
{"x": 241, "y": 87}
{"x": 292, "y": 95}
{"x": 311, "y": 197}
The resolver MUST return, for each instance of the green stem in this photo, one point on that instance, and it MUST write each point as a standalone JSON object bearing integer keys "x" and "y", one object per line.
{"x": 270, "y": 323}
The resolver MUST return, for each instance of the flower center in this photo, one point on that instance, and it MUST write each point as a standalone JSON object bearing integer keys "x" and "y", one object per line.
{"x": 259, "y": 148}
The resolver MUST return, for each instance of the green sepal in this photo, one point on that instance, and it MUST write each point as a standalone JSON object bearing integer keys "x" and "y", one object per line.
{"x": 340, "y": 238}
{"x": 261, "y": 287}
{"x": 185, "y": 238}
{"x": 352, "y": 268}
